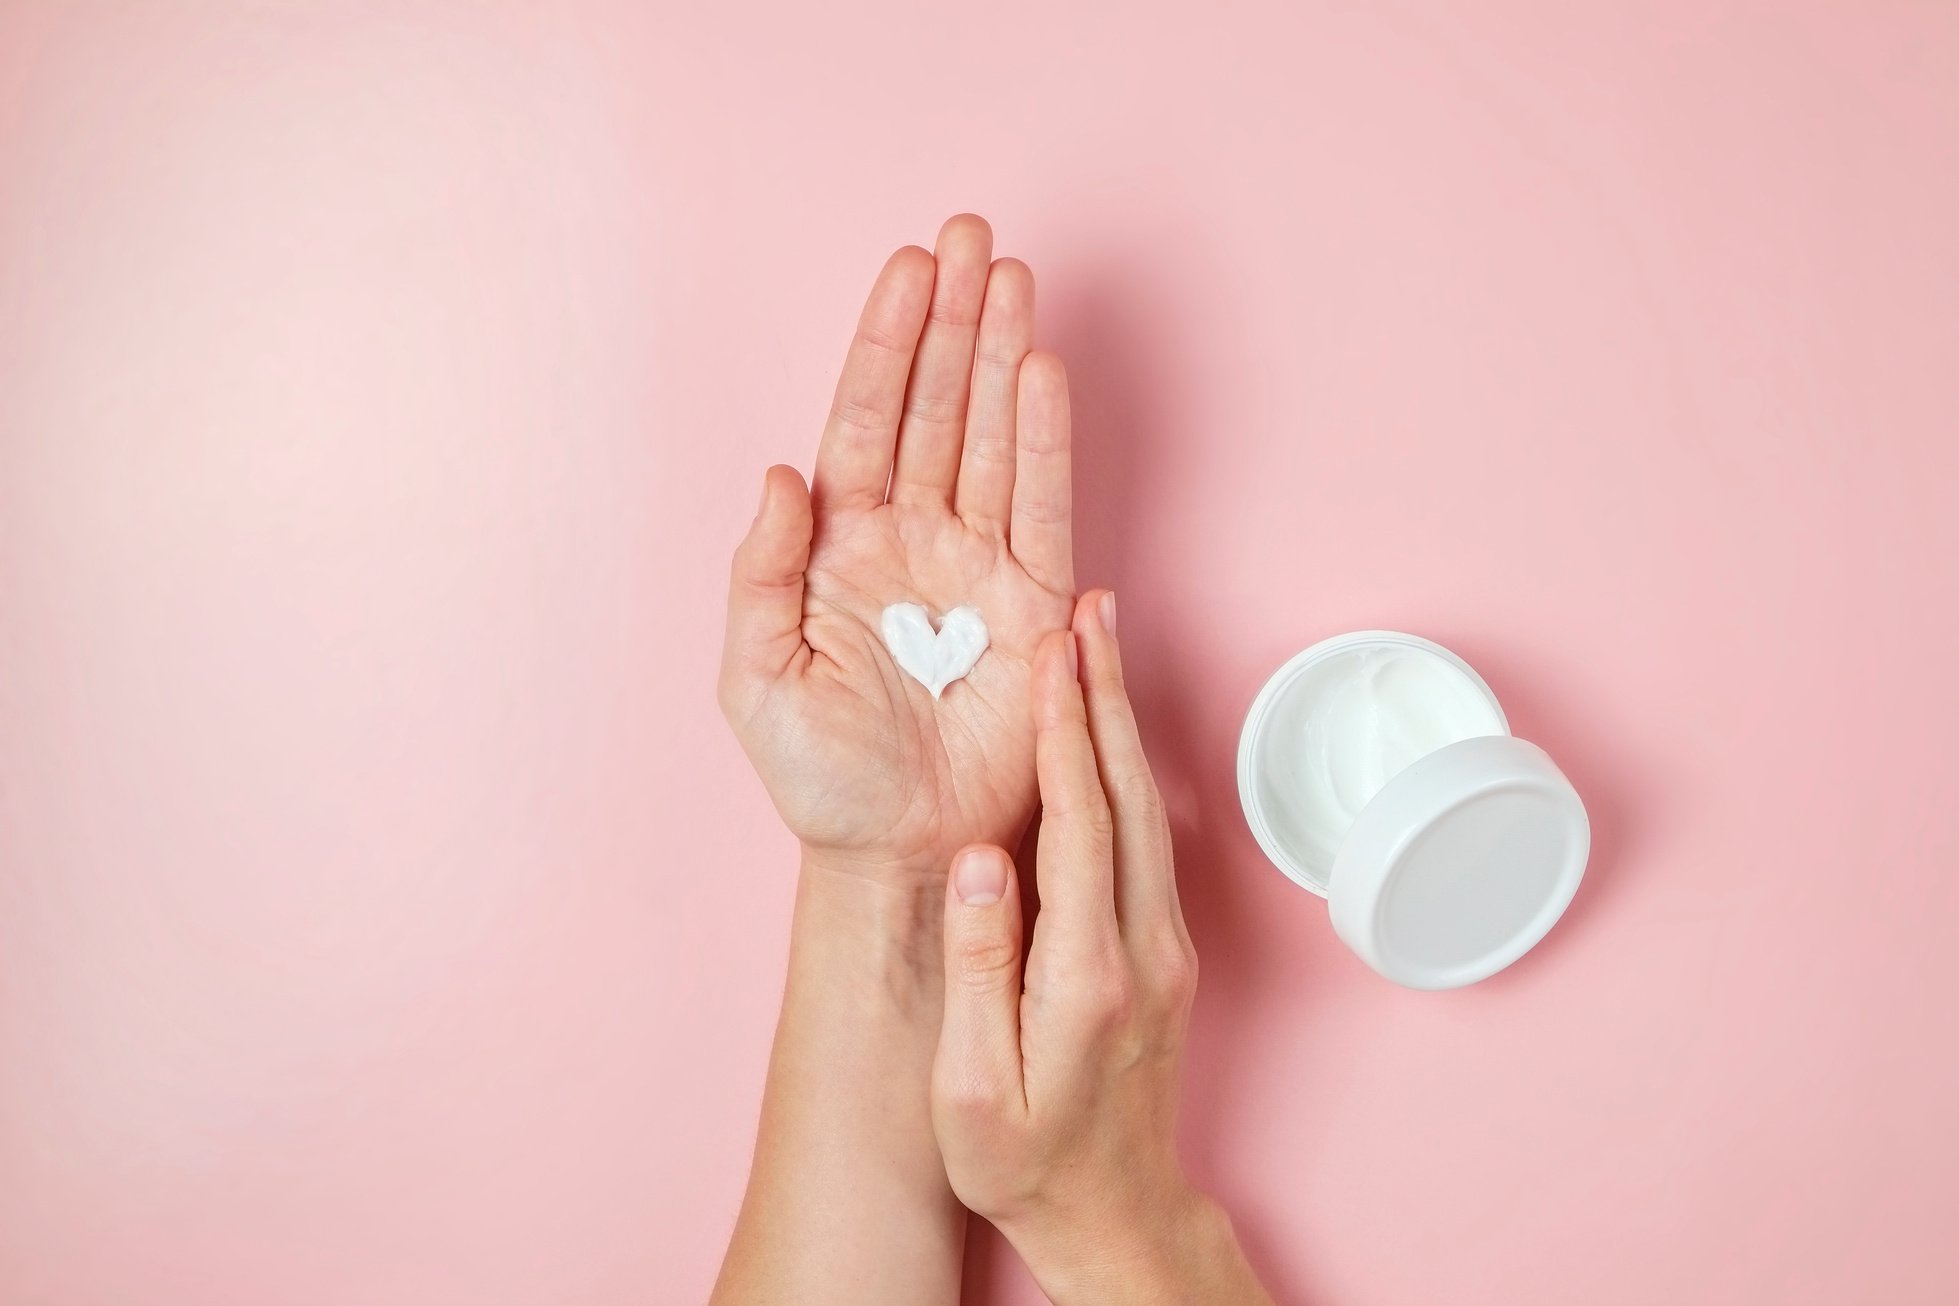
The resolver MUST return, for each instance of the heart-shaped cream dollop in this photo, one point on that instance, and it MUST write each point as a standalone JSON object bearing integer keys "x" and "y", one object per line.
{"x": 934, "y": 658}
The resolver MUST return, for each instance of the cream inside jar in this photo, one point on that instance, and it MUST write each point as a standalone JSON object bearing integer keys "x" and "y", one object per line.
{"x": 1341, "y": 721}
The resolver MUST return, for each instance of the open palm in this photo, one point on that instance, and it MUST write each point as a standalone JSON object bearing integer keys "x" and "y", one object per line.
{"x": 942, "y": 479}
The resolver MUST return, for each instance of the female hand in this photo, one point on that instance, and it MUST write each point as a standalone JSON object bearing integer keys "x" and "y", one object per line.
{"x": 942, "y": 478}
{"x": 1054, "y": 1091}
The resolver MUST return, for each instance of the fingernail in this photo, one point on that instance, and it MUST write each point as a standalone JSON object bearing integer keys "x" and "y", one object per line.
{"x": 763, "y": 502}
{"x": 1074, "y": 658}
{"x": 980, "y": 877}
{"x": 1109, "y": 612}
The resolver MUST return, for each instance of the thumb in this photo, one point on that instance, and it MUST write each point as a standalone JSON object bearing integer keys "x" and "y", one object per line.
{"x": 765, "y": 592}
{"x": 978, "y": 1065}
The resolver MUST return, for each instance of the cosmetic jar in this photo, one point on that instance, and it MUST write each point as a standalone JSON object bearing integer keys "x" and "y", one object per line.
{"x": 1378, "y": 771}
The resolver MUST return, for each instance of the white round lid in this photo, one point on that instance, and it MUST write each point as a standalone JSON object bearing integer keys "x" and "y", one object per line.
{"x": 1460, "y": 864}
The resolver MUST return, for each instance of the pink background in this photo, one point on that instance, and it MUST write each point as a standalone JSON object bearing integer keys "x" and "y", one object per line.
{"x": 385, "y": 915}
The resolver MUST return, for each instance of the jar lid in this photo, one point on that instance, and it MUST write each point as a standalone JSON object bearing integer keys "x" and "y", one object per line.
{"x": 1443, "y": 859}
{"x": 1460, "y": 864}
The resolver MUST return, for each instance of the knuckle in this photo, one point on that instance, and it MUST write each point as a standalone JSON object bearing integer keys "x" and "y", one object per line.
{"x": 1077, "y": 800}
{"x": 1109, "y": 994}
{"x": 1091, "y": 817}
{"x": 998, "y": 356}
{"x": 1173, "y": 968}
{"x": 1043, "y": 509}
{"x": 1136, "y": 790}
{"x": 934, "y": 410}
{"x": 990, "y": 448}
{"x": 991, "y": 529}
{"x": 882, "y": 340}
{"x": 949, "y": 313}
{"x": 995, "y": 1185}
{"x": 968, "y": 1097}
{"x": 1105, "y": 676}
{"x": 857, "y": 415}
{"x": 986, "y": 960}
{"x": 740, "y": 561}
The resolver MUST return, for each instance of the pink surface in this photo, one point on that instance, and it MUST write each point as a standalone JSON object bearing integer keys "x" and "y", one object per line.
{"x": 385, "y": 915}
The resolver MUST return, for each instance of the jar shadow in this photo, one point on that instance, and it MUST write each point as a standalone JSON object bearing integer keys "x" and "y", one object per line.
{"x": 1547, "y": 706}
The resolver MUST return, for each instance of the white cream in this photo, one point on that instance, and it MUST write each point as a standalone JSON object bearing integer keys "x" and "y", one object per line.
{"x": 934, "y": 658}
{"x": 1347, "y": 723}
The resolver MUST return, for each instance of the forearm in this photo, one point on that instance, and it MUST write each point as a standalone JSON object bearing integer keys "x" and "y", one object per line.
{"x": 848, "y": 1200}
{"x": 1193, "y": 1260}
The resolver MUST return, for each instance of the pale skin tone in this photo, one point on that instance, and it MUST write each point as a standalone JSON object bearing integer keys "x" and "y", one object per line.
{"x": 919, "y": 1069}
{"x": 1054, "y": 1090}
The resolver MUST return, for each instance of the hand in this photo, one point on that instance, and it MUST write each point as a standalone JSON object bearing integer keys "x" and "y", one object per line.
{"x": 1054, "y": 1093}
{"x": 942, "y": 479}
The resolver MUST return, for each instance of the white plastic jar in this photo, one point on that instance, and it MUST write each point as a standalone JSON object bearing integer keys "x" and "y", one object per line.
{"x": 1378, "y": 770}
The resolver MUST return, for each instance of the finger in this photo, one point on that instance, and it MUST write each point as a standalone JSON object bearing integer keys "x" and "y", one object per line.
{"x": 1146, "y": 883}
{"x": 1042, "y": 508}
{"x": 978, "y": 1065}
{"x": 1006, "y": 332}
{"x": 853, "y": 462}
{"x": 765, "y": 592}
{"x": 1075, "y": 859}
{"x": 934, "y": 423}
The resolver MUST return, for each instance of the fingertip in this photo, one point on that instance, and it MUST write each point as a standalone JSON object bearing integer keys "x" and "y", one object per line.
{"x": 981, "y": 875}
{"x": 965, "y": 227}
{"x": 785, "y": 497}
{"x": 962, "y": 257}
{"x": 911, "y": 269}
{"x": 1095, "y": 613}
{"x": 1010, "y": 304}
{"x": 1045, "y": 372}
{"x": 782, "y": 478}
{"x": 1094, "y": 624}
{"x": 1013, "y": 271}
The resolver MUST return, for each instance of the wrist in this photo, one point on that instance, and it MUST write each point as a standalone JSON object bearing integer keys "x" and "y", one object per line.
{"x": 884, "y": 932}
{"x": 846, "y": 865}
{"x": 1180, "y": 1250}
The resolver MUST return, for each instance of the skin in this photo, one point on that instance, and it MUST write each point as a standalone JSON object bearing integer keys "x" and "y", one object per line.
{"x": 942, "y": 477}
{"x": 1055, "y": 1087}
